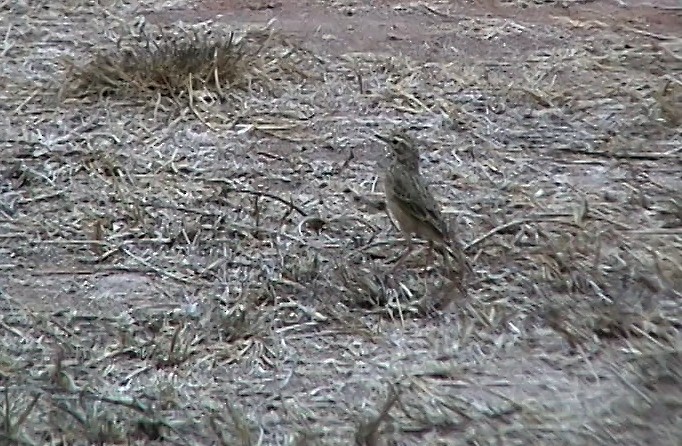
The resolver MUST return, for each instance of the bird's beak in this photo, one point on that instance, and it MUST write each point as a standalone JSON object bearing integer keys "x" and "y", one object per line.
{"x": 382, "y": 138}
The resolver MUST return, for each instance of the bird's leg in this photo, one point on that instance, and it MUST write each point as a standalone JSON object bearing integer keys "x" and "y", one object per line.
{"x": 406, "y": 254}
{"x": 447, "y": 261}
{"x": 398, "y": 257}
{"x": 429, "y": 254}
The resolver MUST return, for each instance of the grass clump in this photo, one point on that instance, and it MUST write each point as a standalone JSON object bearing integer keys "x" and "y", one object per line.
{"x": 171, "y": 65}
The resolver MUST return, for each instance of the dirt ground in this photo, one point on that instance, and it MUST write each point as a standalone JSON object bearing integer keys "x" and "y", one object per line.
{"x": 200, "y": 269}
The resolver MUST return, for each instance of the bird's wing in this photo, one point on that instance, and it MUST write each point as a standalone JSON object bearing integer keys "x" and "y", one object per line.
{"x": 413, "y": 195}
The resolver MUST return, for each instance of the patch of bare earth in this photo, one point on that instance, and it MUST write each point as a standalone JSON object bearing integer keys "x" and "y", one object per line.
{"x": 194, "y": 266}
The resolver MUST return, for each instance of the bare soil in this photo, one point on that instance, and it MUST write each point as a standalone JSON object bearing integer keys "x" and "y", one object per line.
{"x": 198, "y": 271}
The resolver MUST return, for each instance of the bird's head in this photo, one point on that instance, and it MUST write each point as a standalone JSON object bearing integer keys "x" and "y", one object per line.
{"x": 403, "y": 148}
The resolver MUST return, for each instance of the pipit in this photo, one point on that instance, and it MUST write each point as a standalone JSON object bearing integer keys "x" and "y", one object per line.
{"x": 411, "y": 204}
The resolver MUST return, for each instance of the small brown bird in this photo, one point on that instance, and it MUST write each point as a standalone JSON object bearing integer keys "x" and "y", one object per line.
{"x": 411, "y": 204}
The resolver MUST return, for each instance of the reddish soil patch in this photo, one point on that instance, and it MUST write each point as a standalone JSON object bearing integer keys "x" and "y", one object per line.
{"x": 420, "y": 29}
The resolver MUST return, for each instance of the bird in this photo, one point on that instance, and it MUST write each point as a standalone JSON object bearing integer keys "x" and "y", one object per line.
{"x": 411, "y": 204}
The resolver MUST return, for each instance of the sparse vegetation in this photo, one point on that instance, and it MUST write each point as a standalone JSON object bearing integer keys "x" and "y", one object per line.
{"x": 191, "y": 251}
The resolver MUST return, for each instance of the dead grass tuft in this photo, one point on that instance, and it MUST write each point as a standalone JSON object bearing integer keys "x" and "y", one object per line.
{"x": 176, "y": 65}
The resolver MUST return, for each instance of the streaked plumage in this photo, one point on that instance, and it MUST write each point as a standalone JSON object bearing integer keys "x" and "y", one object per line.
{"x": 409, "y": 200}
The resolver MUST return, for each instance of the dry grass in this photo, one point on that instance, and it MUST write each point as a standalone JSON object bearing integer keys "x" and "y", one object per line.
{"x": 177, "y": 65}
{"x": 182, "y": 261}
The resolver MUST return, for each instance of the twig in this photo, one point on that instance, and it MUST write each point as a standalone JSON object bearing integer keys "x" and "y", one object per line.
{"x": 42, "y": 197}
{"x": 99, "y": 270}
{"x": 373, "y": 205}
{"x": 662, "y": 7}
{"x": 651, "y": 156}
{"x": 157, "y": 270}
{"x": 539, "y": 218}
{"x": 229, "y": 188}
{"x": 434, "y": 11}
{"x": 649, "y": 33}
{"x": 656, "y": 231}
